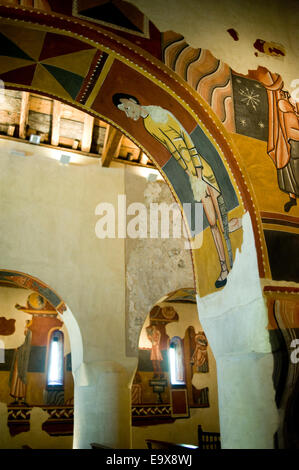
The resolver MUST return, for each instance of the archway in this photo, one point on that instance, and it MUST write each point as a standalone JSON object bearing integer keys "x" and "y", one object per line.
{"x": 171, "y": 396}
{"x": 37, "y": 387}
{"x": 113, "y": 66}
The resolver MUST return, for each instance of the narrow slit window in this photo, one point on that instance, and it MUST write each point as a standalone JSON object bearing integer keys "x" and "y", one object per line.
{"x": 176, "y": 361}
{"x": 55, "y": 360}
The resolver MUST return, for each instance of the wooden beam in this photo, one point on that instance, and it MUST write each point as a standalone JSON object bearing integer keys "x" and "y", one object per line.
{"x": 57, "y": 106}
{"x": 11, "y": 130}
{"x": 24, "y": 114}
{"x": 111, "y": 149}
{"x": 87, "y": 133}
{"x": 42, "y": 5}
{"x": 143, "y": 158}
{"x": 27, "y": 3}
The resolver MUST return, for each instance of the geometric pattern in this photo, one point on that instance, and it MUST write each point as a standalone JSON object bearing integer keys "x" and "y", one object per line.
{"x": 64, "y": 412}
{"x": 60, "y": 422}
{"x": 151, "y": 411}
{"x": 42, "y": 60}
{"x": 18, "y": 419}
{"x": 251, "y": 107}
{"x": 113, "y": 13}
{"x": 209, "y": 76}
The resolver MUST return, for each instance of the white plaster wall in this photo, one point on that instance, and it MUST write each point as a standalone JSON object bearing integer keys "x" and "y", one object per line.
{"x": 47, "y": 229}
{"x": 204, "y": 24}
{"x": 9, "y": 297}
{"x": 235, "y": 322}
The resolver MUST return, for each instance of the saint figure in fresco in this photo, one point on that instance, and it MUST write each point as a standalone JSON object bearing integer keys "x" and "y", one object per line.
{"x": 154, "y": 336}
{"x": 200, "y": 355}
{"x": 165, "y": 128}
{"x": 283, "y": 137}
{"x": 19, "y": 368}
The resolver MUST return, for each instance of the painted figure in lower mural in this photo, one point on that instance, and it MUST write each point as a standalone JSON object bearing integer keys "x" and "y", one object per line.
{"x": 154, "y": 336}
{"x": 283, "y": 138}
{"x": 165, "y": 128}
{"x": 200, "y": 355}
{"x": 19, "y": 368}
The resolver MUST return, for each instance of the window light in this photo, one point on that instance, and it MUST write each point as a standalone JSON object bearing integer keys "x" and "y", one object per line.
{"x": 176, "y": 361}
{"x": 56, "y": 360}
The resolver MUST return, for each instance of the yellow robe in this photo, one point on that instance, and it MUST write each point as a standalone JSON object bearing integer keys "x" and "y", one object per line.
{"x": 164, "y": 127}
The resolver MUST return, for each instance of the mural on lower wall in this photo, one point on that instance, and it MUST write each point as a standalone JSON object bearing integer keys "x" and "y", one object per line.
{"x": 163, "y": 391}
{"x": 38, "y": 373}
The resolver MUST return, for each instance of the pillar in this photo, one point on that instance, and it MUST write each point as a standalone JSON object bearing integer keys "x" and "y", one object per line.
{"x": 102, "y": 411}
{"x": 235, "y": 322}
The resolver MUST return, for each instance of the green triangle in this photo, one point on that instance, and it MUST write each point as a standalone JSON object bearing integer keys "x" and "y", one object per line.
{"x": 10, "y": 49}
{"x": 70, "y": 81}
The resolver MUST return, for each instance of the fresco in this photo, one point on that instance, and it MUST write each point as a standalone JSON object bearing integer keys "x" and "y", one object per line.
{"x": 283, "y": 134}
{"x": 23, "y": 374}
{"x": 262, "y": 119}
{"x": 7, "y": 327}
{"x": 243, "y": 128}
{"x": 19, "y": 279}
{"x": 154, "y": 399}
{"x": 163, "y": 126}
{"x": 89, "y": 73}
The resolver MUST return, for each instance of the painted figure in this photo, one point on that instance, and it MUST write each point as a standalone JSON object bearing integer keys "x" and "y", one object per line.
{"x": 200, "y": 356}
{"x": 165, "y": 128}
{"x": 154, "y": 336}
{"x": 283, "y": 138}
{"x": 18, "y": 374}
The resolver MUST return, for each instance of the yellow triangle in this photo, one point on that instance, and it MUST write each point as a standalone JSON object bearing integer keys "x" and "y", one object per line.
{"x": 11, "y": 63}
{"x": 76, "y": 62}
{"x": 29, "y": 40}
{"x": 45, "y": 82}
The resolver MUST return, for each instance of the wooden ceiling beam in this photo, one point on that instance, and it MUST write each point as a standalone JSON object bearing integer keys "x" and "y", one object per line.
{"x": 56, "y": 115}
{"x": 143, "y": 158}
{"x": 41, "y": 5}
{"x": 24, "y": 114}
{"x": 87, "y": 133}
{"x": 27, "y": 3}
{"x": 113, "y": 143}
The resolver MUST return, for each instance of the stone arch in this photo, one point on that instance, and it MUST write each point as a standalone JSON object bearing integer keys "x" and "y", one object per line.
{"x": 118, "y": 66}
{"x": 21, "y": 279}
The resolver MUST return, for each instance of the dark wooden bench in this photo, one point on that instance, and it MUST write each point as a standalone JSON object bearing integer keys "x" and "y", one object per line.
{"x": 208, "y": 440}
{"x": 154, "y": 444}
{"x": 95, "y": 445}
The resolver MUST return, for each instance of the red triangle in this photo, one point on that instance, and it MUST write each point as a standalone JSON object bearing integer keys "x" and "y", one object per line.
{"x": 56, "y": 45}
{"x": 20, "y": 76}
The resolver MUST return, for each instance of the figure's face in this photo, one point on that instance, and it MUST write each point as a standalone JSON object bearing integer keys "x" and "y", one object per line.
{"x": 131, "y": 108}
